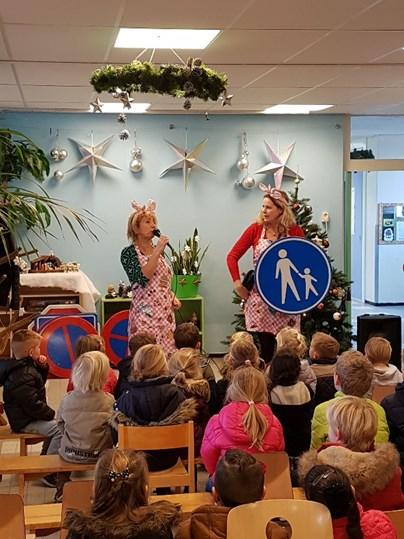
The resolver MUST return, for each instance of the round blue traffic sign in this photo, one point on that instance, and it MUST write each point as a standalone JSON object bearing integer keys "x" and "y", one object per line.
{"x": 293, "y": 275}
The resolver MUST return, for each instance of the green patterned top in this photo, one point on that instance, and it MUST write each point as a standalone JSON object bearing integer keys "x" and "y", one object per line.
{"x": 132, "y": 267}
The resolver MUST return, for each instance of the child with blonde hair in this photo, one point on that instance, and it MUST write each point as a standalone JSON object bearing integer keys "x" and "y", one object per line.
{"x": 94, "y": 343}
{"x": 185, "y": 366}
{"x": 374, "y": 470}
{"x": 84, "y": 413}
{"x": 121, "y": 508}
{"x": 378, "y": 352}
{"x": 245, "y": 423}
{"x": 296, "y": 343}
{"x": 152, "y": 399}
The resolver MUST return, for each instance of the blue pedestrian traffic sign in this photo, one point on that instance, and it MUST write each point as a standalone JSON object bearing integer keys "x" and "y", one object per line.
{"x": 293, "y": 275}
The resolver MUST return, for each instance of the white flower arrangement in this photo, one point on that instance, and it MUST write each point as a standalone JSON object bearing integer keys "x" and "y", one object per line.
{"x": 187, "y": 260}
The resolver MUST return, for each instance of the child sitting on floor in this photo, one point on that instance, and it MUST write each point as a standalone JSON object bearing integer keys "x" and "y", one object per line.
{"x": 374, "y": 470}
{"x": 331, "y": 487}
{"x": 378, "y": 352}
{"x": 292, "y": 339}
{"x": 121, "y": 509}
{"x": 239, "y": 479}
{"x": 94, "y": 343}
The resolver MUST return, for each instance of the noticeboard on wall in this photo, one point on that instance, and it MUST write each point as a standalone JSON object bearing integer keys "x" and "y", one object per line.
{"x": 391, "y": 223}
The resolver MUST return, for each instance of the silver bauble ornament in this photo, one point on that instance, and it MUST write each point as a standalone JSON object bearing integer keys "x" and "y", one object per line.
{"x": 124, "y": 134}
{"x": 54, "y": 154}
{"x": 136, "y": 151}
{"x": 63, "y": 154}
{"x": 58, "y": 174}
{"x": 136, "y": 165}
{"x": 337, "y": 316}
{"x": 248, "y": 182}
{"x": 242, "y": 163}
{"x": 187, "y": 104}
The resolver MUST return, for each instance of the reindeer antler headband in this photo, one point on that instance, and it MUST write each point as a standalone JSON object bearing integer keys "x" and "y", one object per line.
{"x": 273, "y": 192}
{"x": 149, "y": 206}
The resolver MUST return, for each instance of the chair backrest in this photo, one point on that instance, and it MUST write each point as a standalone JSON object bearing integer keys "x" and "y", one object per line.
{"x": 307, "y": 519}
{"x": 163, "y": 437}
{"x": 12, "y": 524}
{"x": 379, "y": 392}
{"x": 397, "y": 518}
{"x": 76, "y": 495}
{"x": 277, "y": 475}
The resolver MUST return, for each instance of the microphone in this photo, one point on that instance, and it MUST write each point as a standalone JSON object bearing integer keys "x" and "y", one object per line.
{"x": 157, "y": 233}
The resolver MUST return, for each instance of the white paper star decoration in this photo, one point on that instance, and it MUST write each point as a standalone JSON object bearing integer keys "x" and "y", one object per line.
{"x": 187, "y": 161}
{"x": 92, "y": 156}
{"x": 278, "y": 165}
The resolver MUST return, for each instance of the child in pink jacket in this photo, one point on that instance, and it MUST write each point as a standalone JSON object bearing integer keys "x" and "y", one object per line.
{"x": 246, "y": 423}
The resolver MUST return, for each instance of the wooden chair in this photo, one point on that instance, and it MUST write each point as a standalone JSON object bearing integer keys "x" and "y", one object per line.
{"x": 76, "y": 495}
{"x": 277, "y": 475}
{"x": 12, "y": 525}
{"x": 379, "y": 392}
{"x": 167, "y": 437}
{"x": 307, "y": 519}
{"x": 397, "y": 518}
{"x": 25, "y": 438}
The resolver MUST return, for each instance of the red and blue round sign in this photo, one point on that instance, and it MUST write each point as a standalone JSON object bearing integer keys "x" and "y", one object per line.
{"x": 115, "y": 333}
{"x": 59, "y": 339}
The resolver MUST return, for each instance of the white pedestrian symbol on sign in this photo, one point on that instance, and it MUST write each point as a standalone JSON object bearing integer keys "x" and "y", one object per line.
{"x": 283, "y": 269}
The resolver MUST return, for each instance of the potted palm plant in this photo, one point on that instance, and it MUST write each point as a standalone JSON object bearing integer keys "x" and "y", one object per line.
{"x": 23, "y": 209}
{"x": 186, "y": 265}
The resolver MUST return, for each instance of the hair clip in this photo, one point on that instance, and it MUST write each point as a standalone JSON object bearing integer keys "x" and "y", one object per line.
{"x": 113, "y": 476}
{"x": 247, "y": 363}
{"x": 324, "y": 475}
{"x": 250, "y": 403}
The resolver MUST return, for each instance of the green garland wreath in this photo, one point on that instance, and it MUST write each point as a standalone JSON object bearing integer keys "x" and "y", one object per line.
{"x": 192, "y": 80}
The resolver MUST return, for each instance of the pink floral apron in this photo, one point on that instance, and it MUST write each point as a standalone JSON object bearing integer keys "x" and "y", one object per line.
{"x": 151, "y": 308}
{"x": 258, "y": 316}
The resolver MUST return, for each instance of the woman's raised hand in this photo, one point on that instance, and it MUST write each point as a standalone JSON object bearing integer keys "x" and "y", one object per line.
{"x": 162, "y": 243}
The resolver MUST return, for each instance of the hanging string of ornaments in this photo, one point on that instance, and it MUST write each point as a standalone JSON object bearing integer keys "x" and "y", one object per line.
{"x": 188, "y": 80}
{"x": 247, "y": 181}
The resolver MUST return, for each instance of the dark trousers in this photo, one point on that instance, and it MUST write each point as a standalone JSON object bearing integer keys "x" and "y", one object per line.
{"x": 268, "y": 345}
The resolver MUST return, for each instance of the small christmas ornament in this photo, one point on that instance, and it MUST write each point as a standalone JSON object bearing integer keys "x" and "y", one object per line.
{"x": 320, "y": 306}
{"x": 278, "y": 165}
{"x": 326, "y": 244}
{"x": 226, "y": 99}
{"x": 242, "y": 163}
{"x": 126, "y": 100}
{"x": 296, "y": 206}
{"x": 297, "y": 180}
{"x": 121, "y": 118}
{"x": 248, "y": 182}
{"x": 136, "y": 164}
{"x": 335, "y": 292}
{"x": 187, "y": 104}
{"x": 54, "y": 154}
{"x": 63, "y": 154}
{"x": 124, "y": 134}
{"x": 337, "y": 316}
{"x": 58, "y": 174}
{"x": 97, "y": 105}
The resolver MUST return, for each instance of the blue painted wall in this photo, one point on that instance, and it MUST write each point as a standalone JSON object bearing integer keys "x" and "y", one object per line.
{"x": 219, "y": 209}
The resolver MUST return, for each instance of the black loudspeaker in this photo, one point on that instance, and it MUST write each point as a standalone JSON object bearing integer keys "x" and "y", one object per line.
{"x": 381, "y": 325}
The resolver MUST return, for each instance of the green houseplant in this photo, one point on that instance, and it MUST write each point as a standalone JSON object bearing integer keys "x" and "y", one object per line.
{"x": 186, "y": 265}
{"x": 23, "y": 209}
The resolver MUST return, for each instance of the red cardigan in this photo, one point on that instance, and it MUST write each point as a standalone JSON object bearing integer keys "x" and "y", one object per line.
{"x": 248, "y": 239}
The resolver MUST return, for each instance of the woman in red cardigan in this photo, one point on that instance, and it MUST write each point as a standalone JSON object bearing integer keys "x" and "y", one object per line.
{"x": 274, "y": 221}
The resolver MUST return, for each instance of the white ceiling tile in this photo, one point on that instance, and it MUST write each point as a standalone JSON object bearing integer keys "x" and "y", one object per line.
{"x": 52, "y": 73}
{"x": 6, "y": 74}
{"x": 385, "y": 15}
{"x": 67, "y": 12}
{"x": 285, "y": 76}
{"x": 9, "y": 92}
{"x": 351, "y": 47}
{"x": 3, "y": 50}
{"x": 264, "y": 96}
{"x": 383, "y": 96}
{"x": 328, "y": 96}
{"x": 58, "y": 43}
{"x": 56, "y": 93}
{"x": 181, "y": 14}
{"x": 371, "y": 76}
{"x": 299, "y": 14}
{"x": 239, "y": 76}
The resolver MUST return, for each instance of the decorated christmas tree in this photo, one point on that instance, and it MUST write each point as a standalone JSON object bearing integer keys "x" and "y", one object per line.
{"x": 330, "y": 315}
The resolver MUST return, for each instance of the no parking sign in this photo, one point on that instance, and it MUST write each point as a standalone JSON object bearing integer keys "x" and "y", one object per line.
{"x": 115, "y": 333}
{"x": 59, "y": 338}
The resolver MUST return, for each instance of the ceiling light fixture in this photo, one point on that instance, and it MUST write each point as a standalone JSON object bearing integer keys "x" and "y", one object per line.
{"x": 168, "y": 38}
{"x": 136, "y": 108}
{"x": 295, "y": 109}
